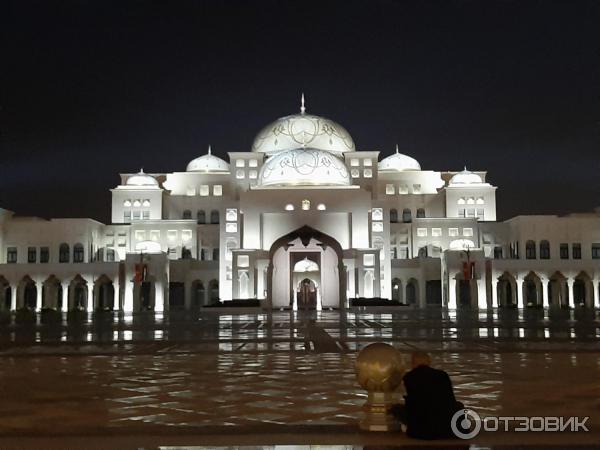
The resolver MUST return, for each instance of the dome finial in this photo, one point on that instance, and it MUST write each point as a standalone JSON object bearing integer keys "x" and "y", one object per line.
{"x": 209, "y": 150}
{"x": 141, "y": 170}
{"x": 397, "y": 149}
{"x": 302, "y": 107}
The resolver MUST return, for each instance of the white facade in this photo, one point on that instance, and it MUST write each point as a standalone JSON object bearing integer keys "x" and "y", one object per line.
{"x": 303, "y": 220}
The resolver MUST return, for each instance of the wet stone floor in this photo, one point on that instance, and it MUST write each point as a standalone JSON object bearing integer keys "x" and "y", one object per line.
{"x": 162, "y": 373}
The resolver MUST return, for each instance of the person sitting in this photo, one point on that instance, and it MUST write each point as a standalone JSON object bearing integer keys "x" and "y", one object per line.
{"x": 429, "y": 401}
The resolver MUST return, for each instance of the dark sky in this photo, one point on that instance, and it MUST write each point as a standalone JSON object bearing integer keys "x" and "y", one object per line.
{"x": 89, "y": 89}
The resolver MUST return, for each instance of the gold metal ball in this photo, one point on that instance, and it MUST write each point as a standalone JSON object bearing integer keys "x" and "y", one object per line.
{"x": 379, "y": 368}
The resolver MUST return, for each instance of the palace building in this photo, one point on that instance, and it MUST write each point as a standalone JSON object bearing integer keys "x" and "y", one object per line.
{"x": 304, "y": 219}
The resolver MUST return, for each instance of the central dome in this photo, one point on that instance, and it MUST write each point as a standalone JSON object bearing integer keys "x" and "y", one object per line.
{"x": 304, "y": 167}
{"x": 303, "y": 130}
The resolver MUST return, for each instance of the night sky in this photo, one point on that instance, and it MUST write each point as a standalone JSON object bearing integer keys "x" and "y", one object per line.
{"x": 89, "y": 89}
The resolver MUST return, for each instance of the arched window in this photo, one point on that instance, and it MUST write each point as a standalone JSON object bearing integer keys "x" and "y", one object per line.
{"x": 393, "y": 215}
{"x": 213, "y": 291}
{"x": 202, "y": 254}
{"x": 420, "y": 213}
{"x": 187, "y": 214}
{"x": 78, "y": 253}
{"x": 406, "y": 215}
{"x": 530, "y": 250}
{"x": 544, "y": 249}
{"x": 215, "y": 254}
{"x": 214, "y": 216}
{"x": 110, "y": 255}
{"x": 201, "y": 216}
{"x": 64, "y": 253}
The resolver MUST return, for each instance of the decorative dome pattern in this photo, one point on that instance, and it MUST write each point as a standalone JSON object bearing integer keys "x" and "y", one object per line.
{"x": 465, "y": 177}
{"x": 303, "y": 130}
{"x": 304, "y": 167}
{"x": 207, "y": 163}
{"x": 399, "y": 163}
{"x": 141, "y": 179}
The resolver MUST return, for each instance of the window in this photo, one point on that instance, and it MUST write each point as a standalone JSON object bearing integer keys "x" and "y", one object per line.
{"x": 452, "y": 231}
{"x": 253, "y": 163}
{"x": 231, "y": 215}
{"x": 470, "y": 212}
{"x": 420, "y": 213}
{"x": 305, "y": 205}
{"x": 191, "y": 191}
{"x": 461, "y": 201}
{"x": 186, "y": 235}
{"x": 172, "y": 235}
{"x": 377, "y": 227}
{"x": 354, "y": 173}
{"x": 368, "y": 173}
{"x": 467, "y": 231}
{"x": 127, "y": 203}
{"x": 480, "y": 213}
{"x": 146, "y": 215}
{"x": 471, "y": 201}
{"x": 214, "y": 217}
{"x": 240, "y": 174}
{"x": 78, "y": 253}
{"x": 354, "y": 162}
{"x": 595, "y": 251}
{"x": 544, "y": 250}
{"x": 231, "y": 227}
{"x": 44, "y": 254}
{"x": 140, "y": 235}
{"x": 367, "y": 162}
{"x": 564, "y": 251}
{"x": 64, "y": 253}
{"x": 390, "y": 189}
{"x": 204, "y": 190}
{"x": 417, "y": 188}
{"x": 461, "y": 212}
{"x": 201, "y": 216}
{"x": 215, "y": 254}
{"x": 127, "y": 216}
{"x": 187, "y": 215}
{"x": 530, "y": 250}
{"x": 406, "y": 215}
{"x": 253, "y": 174}
{"x": 31, "y": 254}
{"x": 217, "y": 190}
{"x": 289, "y": 207}
{"x": 480, "y": 201}
{"x": 11, "y": 255}
{"x": 155, "y": 235}
{"x": 436, "y": 232}
{"x": 393, "y": 215}
{"x": 497, "y": 252}
{"x": 146, "y": 203}
{"x": 422, "y": 232}
{"x": 136, "y": 215}
{"x": 137, "y": 203}
{"x": 110, "y": 255}
{"x": 369, "y": 260}
{"x": 186, "y": 253}
{"x": 243, "y": 260}
{"x": 576, "y": 251}
{"x": 402, "y": 189}
{"x": 321, "y": 207}
{"x": 240, "y": 163}
{"x": 377, "y": 214}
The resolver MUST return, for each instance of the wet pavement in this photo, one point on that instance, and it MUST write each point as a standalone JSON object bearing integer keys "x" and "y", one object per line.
{"x": 219, "y": 372}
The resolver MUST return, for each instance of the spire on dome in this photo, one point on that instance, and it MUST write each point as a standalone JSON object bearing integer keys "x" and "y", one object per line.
{"x": 209, "y": 151}
{"x": 302, "y": 107}
{"x": 397, "y": 149}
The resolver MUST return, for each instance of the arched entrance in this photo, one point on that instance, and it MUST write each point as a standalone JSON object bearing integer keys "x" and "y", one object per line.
{"x": 507, "y": 291}
{"x": 198, "y": 294}
{"x": 5, "y": 294}
{"x": 306, "y": 294}
{"x": 397, "y": 290}
{"x": 532, "y": 291}
{"x": 104, "y": 294}
{"x": 52, "y": 293}
{"x": 558, "y": 294}
{"x": 583, "y": 290}
{"x": 79, "y": 293}
{"x": 27, "y": 293}
{"x": 412, "y": 292}
{"x": 316, "y": 247}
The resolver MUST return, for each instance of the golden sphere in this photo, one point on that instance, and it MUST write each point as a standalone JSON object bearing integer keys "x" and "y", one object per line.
{"x": 379, "y": 368}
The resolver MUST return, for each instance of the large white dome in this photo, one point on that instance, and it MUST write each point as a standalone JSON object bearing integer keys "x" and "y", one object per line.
{"x": 141, "y": 179}
{"x": 207, "y": 163}
{"x": 465, "y": 177}
{"x": 303, "y": 130}
{"x": 304, "y": 167}
{"x": 398, "y": 162}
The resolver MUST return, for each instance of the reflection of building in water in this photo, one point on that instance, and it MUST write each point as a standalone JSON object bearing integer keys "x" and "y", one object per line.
{"x": 303, "y": 220}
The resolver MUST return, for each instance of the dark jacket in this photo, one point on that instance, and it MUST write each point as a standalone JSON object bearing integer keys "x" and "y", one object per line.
{"x": 430, "y": 403}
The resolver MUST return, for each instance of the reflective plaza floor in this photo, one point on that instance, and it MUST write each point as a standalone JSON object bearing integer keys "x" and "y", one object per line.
{"x": 226, "y": 373}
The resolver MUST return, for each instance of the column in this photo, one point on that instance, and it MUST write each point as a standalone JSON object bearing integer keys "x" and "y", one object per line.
{"x": 519, "y": 293}
{"x": 452, "y": 293}
{"x": 571, "y": 292}
{"x": 481, "y": 294}
{"x": 545, "y": 299}
{"x": 65, "y": 296}
{"x": 38, "y": 301}
{"x": 159, "y": 296}
{"x": 13, "y": 297}
{"x": 90, "y": 296}
{"x": 596, "y": 294}
{"x": 128, "y": 303}
{"x": 494, "y": 291}
{"x": 117, "y": 296}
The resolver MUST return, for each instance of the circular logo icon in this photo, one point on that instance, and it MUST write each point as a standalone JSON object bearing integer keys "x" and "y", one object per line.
{"x": 465, "y": 423}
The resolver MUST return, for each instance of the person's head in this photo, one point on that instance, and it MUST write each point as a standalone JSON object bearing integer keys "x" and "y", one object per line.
{"x": 420, "y": 359}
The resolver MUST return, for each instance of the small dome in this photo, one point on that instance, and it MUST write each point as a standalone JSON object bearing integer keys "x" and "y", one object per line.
{"x": 302, "y": 129}
{"x": 207, "y": 163}
{"x": 465, "y": 177}
{"x": 399, "y": 163}
{"x": 304, "y": 167}
{"x": 141, "y": 179}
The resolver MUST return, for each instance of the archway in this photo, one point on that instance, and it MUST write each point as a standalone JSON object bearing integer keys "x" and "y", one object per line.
{"x": 558, "y": 294}
{"x": 532, "y": 290}
{"x": 198, "y": 294}
{"x": 296, "y": 245}
{"x": 52, "y": 293}
{"x": 397, "y": 290}
{"x": 306, "y": 294}
{"x": 5, "y": 294}
{"x": 213, "y": 292}
{"x": 104, "y": 294}
{"x": 507, "y": 291}
{"x": 79, "y": 294}
{"x": 412, "y": 290}
{"x": 27, "y": 293}
{"x": 583, "y": 290}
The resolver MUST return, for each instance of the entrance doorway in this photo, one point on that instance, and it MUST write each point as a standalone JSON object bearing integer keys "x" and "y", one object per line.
{"x": 306, "y": 295}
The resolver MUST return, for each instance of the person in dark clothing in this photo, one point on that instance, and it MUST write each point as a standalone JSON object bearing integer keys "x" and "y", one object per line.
{"x": 429, "y": 401}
